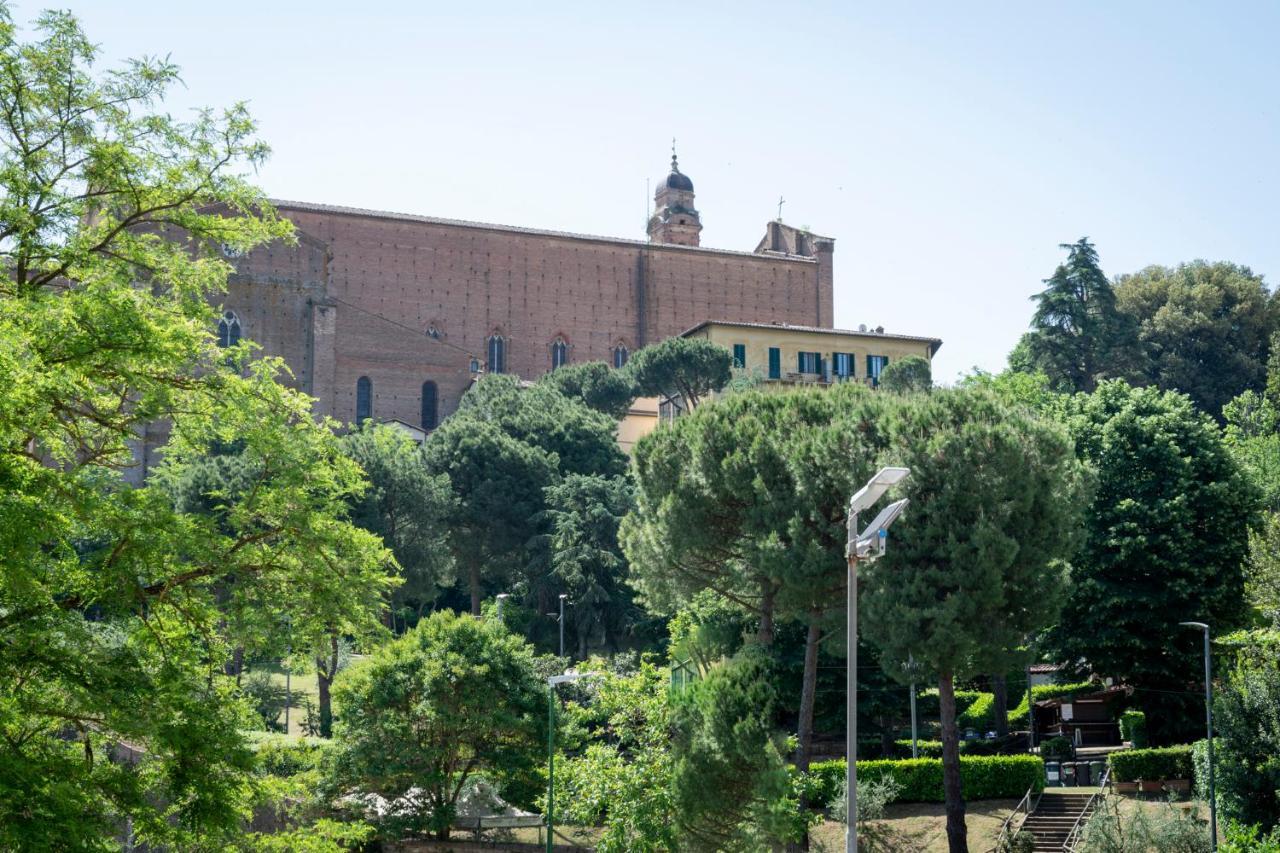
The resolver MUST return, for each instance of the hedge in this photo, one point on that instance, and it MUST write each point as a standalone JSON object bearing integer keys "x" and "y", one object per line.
{"x": 1133, "y": 728}
{"x": 982, "y": 777}
{"x": 282, "y": 755}
{"x": 1170, "y": 762}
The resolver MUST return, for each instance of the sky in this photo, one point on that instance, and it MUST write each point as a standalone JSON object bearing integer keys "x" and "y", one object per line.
{"x": 949, "y": 148}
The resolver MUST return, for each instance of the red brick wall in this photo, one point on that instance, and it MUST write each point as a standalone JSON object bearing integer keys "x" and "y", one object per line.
{"x": 470, "y": 281}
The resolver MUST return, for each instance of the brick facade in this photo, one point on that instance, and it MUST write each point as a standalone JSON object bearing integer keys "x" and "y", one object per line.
{"x": 359, "y": 291}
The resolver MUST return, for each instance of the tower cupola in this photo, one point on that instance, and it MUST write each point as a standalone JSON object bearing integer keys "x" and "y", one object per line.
{"x": 675, "y": 220}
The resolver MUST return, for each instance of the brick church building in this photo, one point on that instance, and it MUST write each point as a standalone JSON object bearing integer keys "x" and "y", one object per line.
{"x": 391, "y": 316}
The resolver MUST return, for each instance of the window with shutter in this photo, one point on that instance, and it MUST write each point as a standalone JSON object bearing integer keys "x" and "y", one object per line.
{"x": 775, "y": 363}
{"x": 739, "y": 355}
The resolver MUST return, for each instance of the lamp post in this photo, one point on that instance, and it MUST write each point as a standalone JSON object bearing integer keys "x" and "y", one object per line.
{"x": 867, "y": 546}
{"x": 1208, "y": 719}
{"x": 551, "y": 743}
{"x": 915, "y": 749}
{"x": 562, "y": 598}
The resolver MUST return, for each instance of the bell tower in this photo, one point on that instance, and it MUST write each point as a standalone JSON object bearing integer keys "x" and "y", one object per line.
{"x": 675, "y": 220}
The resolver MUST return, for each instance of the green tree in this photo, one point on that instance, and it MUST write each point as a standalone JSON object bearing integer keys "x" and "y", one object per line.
{"x": 596, "y": 385}
{"x": 732, "y": 790}
{"x": 408, "y": 507}
{"x": 583, "y": 515}
{"x": 1253, "y": 437}
{"x": 1247, "y": 723}
{"x": 1201, "y": 328}
{"x": 1166, "y": 536}
{"x": 685, "y": 369}
{"x": 621, "y": 779}
{"x": 112, "y": 601}
{"x": 906, "y": 375}
{"x": 584, "y": 441}
{"x": 454, "y": 697}
{"x": 978, "y": 560}
{"x": 1076, "y": 331}
{"x": 497, "y": 483}
{"x": 742, "y": 498}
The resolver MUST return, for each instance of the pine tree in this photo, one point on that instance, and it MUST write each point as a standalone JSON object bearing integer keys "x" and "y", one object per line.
{"x": 1076, "y": 328}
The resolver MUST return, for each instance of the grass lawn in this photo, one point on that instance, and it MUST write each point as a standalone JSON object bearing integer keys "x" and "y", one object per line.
{"x": 302, "y": 685}
{"x": 922, "y": 827}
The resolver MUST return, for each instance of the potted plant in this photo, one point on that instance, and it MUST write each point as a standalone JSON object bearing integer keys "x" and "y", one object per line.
{"x": 1124, "y": 787}
{"x": 1150, "y": 786}
{"x": 1179, "y": 786}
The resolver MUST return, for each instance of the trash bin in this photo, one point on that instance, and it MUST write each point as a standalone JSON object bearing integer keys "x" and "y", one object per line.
{"x": 1069, "y": 775}
{"x": 1053, "y": 773}
{"x": 1082, "y": 773}
{"x": 1099, "y": 768}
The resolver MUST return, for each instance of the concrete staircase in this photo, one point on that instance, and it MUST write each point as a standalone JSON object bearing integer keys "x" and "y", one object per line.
{"x": 1054, "y": 817}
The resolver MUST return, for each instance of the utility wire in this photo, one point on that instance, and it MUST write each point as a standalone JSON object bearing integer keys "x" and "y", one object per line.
{"x": 386, "y": 319}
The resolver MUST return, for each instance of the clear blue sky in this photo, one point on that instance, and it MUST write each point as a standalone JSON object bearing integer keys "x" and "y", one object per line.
{"x": 949, "y": 148}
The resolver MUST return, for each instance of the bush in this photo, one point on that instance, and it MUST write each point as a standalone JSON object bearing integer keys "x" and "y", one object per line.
{"x": 1041, "y": 692}
{"x": 983, "y": 777}
{"x": 1200, "y": 766}
{"x": 1013, "y": 744}
{"x": 266, "y": 697}
{"x": 980, "y": 714}
{"x": 1132, "y": 765}
{"x": 1169, "y": 830}
{"x": 1133, "y": 728}
{"x": 281, "y": 755}
{"x": 926, "y": 748}
{"x": 1249, "y": 839}
{"x": 1057, "y": 749}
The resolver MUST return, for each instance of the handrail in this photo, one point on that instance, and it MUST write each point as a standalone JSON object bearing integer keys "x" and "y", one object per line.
{"x": 1073, "y": 838}
{"x": 1004, "y": 828}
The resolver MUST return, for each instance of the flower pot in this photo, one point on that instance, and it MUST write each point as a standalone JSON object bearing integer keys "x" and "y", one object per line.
{"x": 1125, "y": 787}
{"x": 1155, "y": 786}
{"x": 1182, "y": 786}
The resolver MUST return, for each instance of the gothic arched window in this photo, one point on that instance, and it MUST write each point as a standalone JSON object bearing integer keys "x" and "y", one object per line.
{"x": 497, "y": 354}
{"x": 430, "y": 406}
{"x": 620, "y": 355}
{"x": 228, "y": 329}
{"x": 364, "y": 399}
{"x": 559, "y": 353}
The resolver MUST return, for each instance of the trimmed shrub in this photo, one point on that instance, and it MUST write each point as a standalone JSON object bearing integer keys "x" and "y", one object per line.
{"x": 926, "y": 748}
{"x": 983, "y": 777}
{"x": 282, "y": 755}
{"x": 1018, "y": 714}
{"x": 1133, "y": 728}
{"x": 1170, "y": 762}
{"x": 980, "y": 714}
{"x": 1057, "y": 748}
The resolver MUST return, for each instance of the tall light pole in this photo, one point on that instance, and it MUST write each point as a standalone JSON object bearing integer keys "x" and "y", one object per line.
{"x": 915, "y": 749}
{"x": 867, "y": 546}
{"x": 1208, "y": 720}
{"x": 551, "y": 744}
{"x": 562, "y": 598}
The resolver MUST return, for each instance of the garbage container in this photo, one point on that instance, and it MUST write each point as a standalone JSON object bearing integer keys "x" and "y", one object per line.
{"x": 1098, "y": 768}
{"x": 1069, "y": 775}
{"x": 1082, "y": 773}
{"x": 1053, "y": 773}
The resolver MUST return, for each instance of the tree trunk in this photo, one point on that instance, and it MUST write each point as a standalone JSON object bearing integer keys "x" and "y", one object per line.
{"x": 957, "y": 835}
{"x": 1000, "y": 689}
{"x": 808, "y": 691}
{"x": 886, "y": 737}
{"x": 325, "y": 672}
{"x": 473, "y": 578}
{"x": 765, "y": 633}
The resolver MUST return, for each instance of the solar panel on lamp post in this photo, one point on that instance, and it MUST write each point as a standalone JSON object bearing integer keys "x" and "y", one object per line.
{"x": 1208, "y": 718}
{"x": 867, "y": 546}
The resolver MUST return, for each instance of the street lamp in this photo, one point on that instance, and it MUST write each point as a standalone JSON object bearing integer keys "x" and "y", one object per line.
{"x": 1208, "y": 718}
{"x": 552, "y": 681}
{"x": 502, "y": 596}
{"x": 562, "y": 598}
{"x": 867, "y": 545}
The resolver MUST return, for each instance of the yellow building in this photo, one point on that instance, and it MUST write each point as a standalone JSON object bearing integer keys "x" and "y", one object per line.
{"x": 782, "y": 354}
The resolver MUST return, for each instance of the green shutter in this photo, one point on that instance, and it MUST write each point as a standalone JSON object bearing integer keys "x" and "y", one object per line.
{"x": 739, "y": 355}
{"x": 775, "y": 363}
